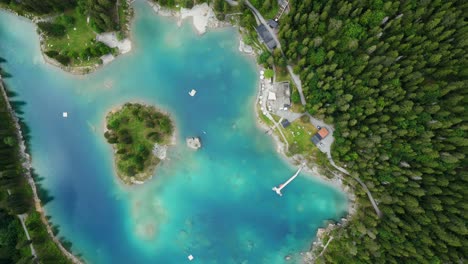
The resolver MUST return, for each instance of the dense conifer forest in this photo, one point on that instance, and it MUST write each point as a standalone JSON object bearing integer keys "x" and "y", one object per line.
{"x": 392, "y": 78}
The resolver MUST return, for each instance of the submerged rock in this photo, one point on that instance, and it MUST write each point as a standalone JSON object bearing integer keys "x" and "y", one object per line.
{"x": 193, "y": 142}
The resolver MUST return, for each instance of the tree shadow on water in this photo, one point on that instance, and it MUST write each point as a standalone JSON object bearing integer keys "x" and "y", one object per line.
{"x": 4, "y": 73}
{"x": 43, "y": 194}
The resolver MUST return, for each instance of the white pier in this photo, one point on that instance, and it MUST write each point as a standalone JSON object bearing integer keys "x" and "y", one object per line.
{"x": 281, "y": 186}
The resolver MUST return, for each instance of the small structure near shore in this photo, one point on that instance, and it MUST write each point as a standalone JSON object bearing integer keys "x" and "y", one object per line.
{"x": 285, "y": 123}
{"x": 193, "y": 142}
{"x": 266, "y": 37}
{"x": 321, "y": 134}
{"x": 279, "y": 98}
{"x": 273, "y": 24}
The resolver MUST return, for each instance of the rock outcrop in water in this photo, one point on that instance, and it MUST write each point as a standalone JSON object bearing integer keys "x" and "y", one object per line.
{"x": 193, "y": 142}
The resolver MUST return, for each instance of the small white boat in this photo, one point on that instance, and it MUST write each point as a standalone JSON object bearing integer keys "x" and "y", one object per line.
{"x": 193, "y": 92}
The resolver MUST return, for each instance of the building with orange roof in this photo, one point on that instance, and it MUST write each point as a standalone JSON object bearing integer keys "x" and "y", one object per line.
{"x": 321, "y": 134}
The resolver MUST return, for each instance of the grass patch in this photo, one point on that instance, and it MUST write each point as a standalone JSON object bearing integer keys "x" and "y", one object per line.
{"x": 77, "y": 45}
{"x": 282, "y": 74}
{"x": 264, "y": 118}
{"x": 275, "y": 117}
{"x": 78, "y": 33}
{"x": 298, "y": 135}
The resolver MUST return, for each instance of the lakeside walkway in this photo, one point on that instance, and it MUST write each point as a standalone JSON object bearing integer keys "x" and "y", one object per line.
{"x": 22, "y": 217}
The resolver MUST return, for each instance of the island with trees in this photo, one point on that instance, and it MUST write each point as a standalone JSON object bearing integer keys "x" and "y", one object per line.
{"x": 139, "y": 135}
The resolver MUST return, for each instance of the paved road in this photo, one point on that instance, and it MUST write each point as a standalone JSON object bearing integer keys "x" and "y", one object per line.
{"x": 364, "y": 186}
{"x": 22, "y": 217}
{"x": 278, "y": 126}
{"x": 325, "y": 247}
{"x": 232, "y": 3}
{"x": 326, "y": 148}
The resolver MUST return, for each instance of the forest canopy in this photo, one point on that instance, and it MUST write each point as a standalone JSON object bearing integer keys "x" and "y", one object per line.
{"x": 392, "y": 78}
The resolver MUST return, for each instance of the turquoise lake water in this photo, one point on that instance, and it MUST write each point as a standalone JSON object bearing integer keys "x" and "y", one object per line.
{"x": 216, "y": 204}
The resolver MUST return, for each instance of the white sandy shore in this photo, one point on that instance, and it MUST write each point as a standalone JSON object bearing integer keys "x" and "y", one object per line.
{"x": 202, "y": 16}
{"x": 111, "y": 40}
{"x": 107, "y": 58}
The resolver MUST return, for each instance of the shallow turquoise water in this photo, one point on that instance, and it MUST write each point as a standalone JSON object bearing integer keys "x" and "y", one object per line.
{"x": 216, "y": 204}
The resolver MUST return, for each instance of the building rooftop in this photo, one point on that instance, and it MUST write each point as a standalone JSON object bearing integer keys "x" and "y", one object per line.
{"x": 271, "y": 96}
{"x": 282, "y": 96}
{"x": 285, "y": 123}
{"x": 266, "y": 36}
{"x": 315, "y": 139}
{"x": 323, "y": 132}
{"x": 272, "y": 23}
